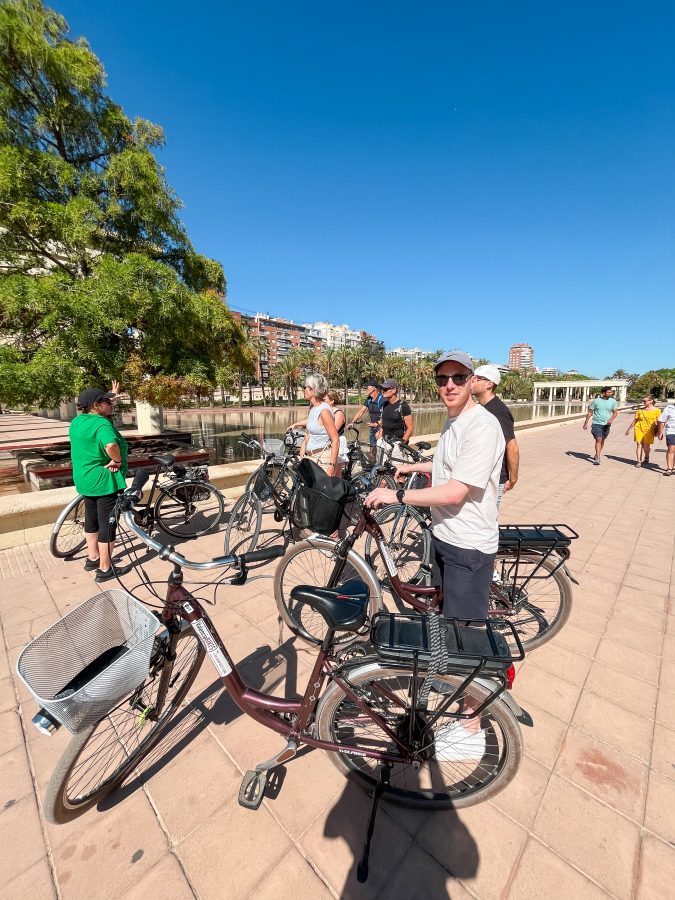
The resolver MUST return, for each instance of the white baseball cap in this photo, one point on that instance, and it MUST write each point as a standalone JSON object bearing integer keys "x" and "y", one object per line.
{"x": 491, "y": 372}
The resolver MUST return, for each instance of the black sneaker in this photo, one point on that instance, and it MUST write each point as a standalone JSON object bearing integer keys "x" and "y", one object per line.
{"x": 108, "y": 575}
{"x": 91, "y": 564}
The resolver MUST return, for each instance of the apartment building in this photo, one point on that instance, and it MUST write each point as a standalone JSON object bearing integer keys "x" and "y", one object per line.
{"x": 279, "y": 336}
{"x": 412, "y": 354}
{"x": 521, "y": 356}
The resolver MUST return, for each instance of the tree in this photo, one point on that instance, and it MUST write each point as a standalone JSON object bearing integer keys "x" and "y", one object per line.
{"x": 658, "y": 382}
{"x": 342, "y": 362}
{"x": 99, "y": 278}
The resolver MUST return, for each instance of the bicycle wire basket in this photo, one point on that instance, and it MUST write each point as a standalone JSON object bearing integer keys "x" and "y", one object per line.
{"x": 275, "y": 446}
{"x": 84, "y": 664}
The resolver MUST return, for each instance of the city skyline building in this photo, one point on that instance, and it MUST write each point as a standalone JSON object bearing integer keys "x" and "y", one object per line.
{"x": 521, "y": 356}
{"x": 412, "y": 354}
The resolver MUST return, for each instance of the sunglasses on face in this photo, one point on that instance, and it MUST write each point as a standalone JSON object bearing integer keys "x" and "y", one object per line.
{"x": 458, "y": 378}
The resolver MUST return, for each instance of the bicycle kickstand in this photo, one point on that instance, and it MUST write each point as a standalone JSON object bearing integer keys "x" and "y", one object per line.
{"x": 254, "y": 782}
{"x": 362, "y": 869}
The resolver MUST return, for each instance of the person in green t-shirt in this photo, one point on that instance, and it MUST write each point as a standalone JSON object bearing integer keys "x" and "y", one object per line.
{"x": 98, "y": 454}
{"x": 603, "y": 410}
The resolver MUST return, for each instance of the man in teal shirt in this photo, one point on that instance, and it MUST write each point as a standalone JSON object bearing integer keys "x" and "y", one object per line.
{"x": 603, "y": 410}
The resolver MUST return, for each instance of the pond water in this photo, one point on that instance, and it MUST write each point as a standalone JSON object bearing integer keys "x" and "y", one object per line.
{"x": 219, "y": 430}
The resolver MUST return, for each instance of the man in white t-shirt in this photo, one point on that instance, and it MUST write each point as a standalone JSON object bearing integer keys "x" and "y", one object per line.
{"x": 463, "y": 496}
{"x": 667, "y": 427}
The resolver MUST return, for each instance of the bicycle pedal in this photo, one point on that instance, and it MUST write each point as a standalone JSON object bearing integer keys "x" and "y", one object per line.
{"x": 252, "y": 789}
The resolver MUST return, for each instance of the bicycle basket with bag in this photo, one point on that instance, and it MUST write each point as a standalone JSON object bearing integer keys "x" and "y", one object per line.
{"x": 84, "y": 664}
{"x": 319, "y": 499}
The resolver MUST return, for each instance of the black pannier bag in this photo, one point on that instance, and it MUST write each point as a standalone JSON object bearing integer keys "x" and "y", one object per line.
{"x": 319, "y": 499}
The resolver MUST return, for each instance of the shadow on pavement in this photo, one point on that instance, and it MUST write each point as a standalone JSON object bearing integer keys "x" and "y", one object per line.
{"x": 575, "y": 453}
{"x": 398, "y": 867}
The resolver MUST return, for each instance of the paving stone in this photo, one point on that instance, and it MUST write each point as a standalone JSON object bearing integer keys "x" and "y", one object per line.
{"x": 21, "y": 842}
{"x": 657, "y": 869}
{"x": 543, "y": 875}
{"x": 35, "y": 881}
{"x": 588, "y": 834}
{"x": 617, "y": 779}
{"x": 614, "y": 685}
{"x": 166, "y": 878}
{"x": 548, "y": 692}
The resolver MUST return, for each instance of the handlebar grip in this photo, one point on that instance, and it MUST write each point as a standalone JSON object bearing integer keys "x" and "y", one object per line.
{"x": 263, "y": 554}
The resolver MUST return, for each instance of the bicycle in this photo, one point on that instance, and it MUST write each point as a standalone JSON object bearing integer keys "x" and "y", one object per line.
{"x": 392, "y": 720}
{"x": 187, "y": 506}
{"x": 533, "y": 594}
{"x": 272, "y": 484}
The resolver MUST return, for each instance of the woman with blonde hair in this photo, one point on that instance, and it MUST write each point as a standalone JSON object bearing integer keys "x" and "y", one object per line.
{"x": 321, "y": 442}
{"x": 644, "y": 427}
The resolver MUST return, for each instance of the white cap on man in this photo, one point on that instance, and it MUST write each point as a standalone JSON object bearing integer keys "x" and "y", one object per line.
{"x": 491, "y": 372}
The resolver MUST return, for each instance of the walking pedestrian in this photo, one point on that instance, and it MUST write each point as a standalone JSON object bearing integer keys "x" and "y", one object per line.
{"x": 603, "y": 410}
{"x": 667, "y": 427}
{"x": 645, "y": 426}
{"x": 487, "y": 379}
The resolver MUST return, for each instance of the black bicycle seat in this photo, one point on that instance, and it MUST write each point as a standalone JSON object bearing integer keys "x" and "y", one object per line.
{"x": 344, "y": 608}
{"x": 423, "y": 445}
{"x": 164, "y": 459}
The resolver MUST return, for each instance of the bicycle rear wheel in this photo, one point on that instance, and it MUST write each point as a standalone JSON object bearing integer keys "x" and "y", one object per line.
{"x": 538, "y": 607}
{"x": 409, "y": 541}
{"x": 457, "y": 765}
{"x": 189, "y": 508}
{"x": 67, "y": 537}
{"x": 99, "y": 758}
{"x": 244, "y": 525}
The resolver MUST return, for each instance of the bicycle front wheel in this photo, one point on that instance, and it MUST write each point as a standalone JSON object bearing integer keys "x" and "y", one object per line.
{"x": 315, "y": 563}
{"x": 244, "y": 525}
{"x": 532, "y": 595}
{"x": 67, "y": 537}
{"x": 409, "y": 541}
{"x": 460, "y": 761}
{"x": 99, "y": 758}
{"x": 189, "y": 508}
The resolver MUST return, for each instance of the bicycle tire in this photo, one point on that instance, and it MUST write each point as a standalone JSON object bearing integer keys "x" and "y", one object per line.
{"x": 243, "y": 528}
{"x": 409, "y": 540}
{"x": 312, "y": 562}
{"x": 540, "y": 608}
{"x": 120, "y": 727}
{"x": 189, "y": 509}
{"x": 67, "y": 537}
{"x": 463, "y": 783}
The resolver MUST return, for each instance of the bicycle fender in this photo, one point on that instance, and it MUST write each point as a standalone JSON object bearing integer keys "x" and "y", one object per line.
{"x": 323, "y": 543}
{"x": 569, "y": 574}
{"x": 506, "y": 696}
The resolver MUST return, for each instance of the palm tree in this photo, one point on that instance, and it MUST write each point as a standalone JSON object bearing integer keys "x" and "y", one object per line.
{"x": 343, "y": 362}
{"x": 360, "y": 360}
{"x": 325, "y": 361}
{"x": 424, "y": 374}
{"x": 288, "y": 368}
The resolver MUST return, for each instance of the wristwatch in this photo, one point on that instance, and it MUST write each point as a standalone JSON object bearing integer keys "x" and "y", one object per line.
{"x": 399, "y": 494}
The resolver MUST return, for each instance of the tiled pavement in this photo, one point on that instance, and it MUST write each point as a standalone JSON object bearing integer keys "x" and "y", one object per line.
{"x": 591, "y": 812}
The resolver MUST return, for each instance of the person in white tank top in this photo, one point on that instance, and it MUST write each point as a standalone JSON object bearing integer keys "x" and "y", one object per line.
{"x": 321, "y": 442}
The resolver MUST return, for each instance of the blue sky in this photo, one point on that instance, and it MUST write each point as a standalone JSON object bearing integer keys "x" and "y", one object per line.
{"x": 442, "y": 174}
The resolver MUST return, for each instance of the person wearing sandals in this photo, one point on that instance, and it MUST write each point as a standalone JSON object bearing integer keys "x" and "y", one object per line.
{"x": 667, "y": 428}
{"x": 98, "y": 454}
{"x": 644, "y": 427}
{"x": 321, "y": 442}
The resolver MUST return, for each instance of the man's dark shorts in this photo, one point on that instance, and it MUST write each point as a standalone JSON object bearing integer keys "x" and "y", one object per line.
{"x": 465, "y": 576}
{"x": 670, "y": 440}
{"x": 600, "y": 432}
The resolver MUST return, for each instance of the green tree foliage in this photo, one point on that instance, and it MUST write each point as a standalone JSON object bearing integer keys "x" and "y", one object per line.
{"x": 660, "y": 383}
{"x": 98, "y": 277}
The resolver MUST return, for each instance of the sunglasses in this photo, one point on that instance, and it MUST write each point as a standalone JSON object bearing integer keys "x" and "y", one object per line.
{"x": 458, "y": 378}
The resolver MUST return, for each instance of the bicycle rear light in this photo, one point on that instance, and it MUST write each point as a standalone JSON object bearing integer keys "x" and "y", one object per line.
{"x": 510, "y": 676}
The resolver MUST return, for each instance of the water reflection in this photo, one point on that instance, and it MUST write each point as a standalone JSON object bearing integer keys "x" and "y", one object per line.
{"x": 219, "y": 431}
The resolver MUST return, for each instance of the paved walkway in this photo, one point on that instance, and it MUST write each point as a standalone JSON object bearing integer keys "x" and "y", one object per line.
{"x": 590, "y": 814}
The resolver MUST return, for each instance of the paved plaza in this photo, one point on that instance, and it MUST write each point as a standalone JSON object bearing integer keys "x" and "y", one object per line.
{"x": 591, "y": 812}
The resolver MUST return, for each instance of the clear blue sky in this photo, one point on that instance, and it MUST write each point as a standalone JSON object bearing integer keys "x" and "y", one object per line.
{"x": 443, "y": 174}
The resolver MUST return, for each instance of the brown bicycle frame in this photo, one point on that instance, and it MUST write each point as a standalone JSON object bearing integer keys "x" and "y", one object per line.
{"x": 266, "y": 708}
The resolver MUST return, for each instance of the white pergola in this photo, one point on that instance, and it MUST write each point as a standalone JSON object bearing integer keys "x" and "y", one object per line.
{"x": 576, "y": 391}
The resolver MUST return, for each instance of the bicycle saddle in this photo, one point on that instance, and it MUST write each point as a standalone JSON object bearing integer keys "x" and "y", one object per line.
{"x": 344, "y": 608}
{"x": 164, "y": 459}
{"x": 423, "y": 445}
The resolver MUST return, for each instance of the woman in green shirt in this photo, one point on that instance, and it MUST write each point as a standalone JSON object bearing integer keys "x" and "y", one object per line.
{"x": 98, "y": 453}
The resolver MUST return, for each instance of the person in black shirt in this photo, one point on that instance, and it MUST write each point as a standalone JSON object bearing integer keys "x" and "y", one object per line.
{"x": 373, "y": 406}
{"x": 487, "y": 378}
{"x": 397, "y": 423}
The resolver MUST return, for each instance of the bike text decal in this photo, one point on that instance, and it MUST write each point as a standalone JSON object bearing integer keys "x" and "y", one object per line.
{"x": 216, "y": 655}
{"x": 388, "y": 561}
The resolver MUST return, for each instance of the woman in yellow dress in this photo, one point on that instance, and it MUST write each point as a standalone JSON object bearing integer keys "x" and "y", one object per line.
{"x": 643, "y": 424}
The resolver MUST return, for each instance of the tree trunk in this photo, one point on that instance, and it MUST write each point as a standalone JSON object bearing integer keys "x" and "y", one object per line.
{"x": 250, "y": 394}
{"x": 241, "y": 391}
{"x": 222, "y": 395}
